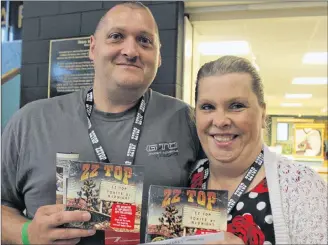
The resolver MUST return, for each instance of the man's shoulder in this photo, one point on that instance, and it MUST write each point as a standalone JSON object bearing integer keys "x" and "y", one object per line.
{"x": 50, "y": 107}
{"x": 63, "y": 102}
{"x": 170, "y": 106}
{"x": 168, "y": 100}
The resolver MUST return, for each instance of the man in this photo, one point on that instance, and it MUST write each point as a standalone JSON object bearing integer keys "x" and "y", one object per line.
{"x": 125, "y": 49}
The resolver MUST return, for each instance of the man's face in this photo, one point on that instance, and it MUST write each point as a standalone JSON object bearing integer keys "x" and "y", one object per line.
{"x": 125, "y": 49}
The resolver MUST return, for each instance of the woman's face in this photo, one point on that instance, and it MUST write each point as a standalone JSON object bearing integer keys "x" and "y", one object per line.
{"x": 229, "y": 118}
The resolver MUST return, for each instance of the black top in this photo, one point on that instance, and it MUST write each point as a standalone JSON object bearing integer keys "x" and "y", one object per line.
{"x": 251, "y": 218}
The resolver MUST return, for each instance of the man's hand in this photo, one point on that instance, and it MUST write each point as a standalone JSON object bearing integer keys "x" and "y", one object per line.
{"x": 44, "y": 227}
{"x": 229, "y": 238}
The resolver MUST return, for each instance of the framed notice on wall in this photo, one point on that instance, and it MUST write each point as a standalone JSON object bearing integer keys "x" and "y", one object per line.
{"x": 70, "y": 68}
{"x": 309, "y": 140}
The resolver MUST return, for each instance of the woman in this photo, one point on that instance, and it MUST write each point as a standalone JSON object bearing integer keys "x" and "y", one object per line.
{"x": 283, "y": 202}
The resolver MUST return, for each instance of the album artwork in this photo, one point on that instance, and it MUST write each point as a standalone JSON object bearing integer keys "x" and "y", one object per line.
{"x": 178, "y": 212}
{"x": 112, "y": 194}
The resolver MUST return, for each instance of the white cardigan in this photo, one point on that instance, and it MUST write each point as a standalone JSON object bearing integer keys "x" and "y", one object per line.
{"x": 298, "y": 197}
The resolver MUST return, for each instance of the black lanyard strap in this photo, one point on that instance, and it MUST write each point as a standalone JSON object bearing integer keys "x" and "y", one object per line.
{"x": 135, "y": 133}
{"x": 245, "y": 183}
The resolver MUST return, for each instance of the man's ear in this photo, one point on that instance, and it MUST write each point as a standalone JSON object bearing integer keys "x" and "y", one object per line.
{"x": 264, "y": 116}
{"x": 159, "y": 60}
{"x": 92, "y": 47}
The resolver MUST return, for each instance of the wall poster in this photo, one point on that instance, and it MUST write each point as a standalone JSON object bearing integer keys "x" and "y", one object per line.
{"x": 70, "y": 68}
{"x": 309, "y": 140}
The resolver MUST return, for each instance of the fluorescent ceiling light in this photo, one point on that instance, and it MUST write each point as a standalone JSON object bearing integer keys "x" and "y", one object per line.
{"x": 298, "y": 96}
{"x": 310, "y": 80}
{"x": 224, "y": 48}
{"x": 291, "y": 104}
{"x": 316, "y": 58}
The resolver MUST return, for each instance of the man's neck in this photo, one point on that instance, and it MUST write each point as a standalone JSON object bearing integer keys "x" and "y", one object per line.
{"x": 114, "y": 102}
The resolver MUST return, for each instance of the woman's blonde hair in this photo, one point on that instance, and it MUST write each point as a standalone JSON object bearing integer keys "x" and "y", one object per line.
{"x": 232, "y": 64}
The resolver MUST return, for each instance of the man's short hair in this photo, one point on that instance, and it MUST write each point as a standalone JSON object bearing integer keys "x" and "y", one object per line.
{"x": 133, "y": 5}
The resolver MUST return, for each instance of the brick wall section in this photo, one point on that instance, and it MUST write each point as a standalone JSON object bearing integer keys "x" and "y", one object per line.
{"x": 44, "y": 21}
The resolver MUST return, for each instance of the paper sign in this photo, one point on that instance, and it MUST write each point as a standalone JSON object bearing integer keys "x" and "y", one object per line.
{"x": 116, "y": 192}
{"x": 123, "y": 216}
{"x": 200, "y": 218}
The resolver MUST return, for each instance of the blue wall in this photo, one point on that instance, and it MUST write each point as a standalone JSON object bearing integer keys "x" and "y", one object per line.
{"x": 10, "y": 92}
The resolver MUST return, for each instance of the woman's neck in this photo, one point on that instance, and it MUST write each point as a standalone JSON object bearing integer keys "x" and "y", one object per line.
{"x": 229, "y": 175}
{"x": 231, "y": 184}
{"x": 221, "y": 181}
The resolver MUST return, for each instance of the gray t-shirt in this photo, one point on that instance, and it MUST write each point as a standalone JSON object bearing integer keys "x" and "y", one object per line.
{"x": 168, "y": 146}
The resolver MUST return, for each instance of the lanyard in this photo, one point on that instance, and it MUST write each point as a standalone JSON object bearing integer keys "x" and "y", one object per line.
{"x": 244, "y": 184}
{"x": 135, "y": 134}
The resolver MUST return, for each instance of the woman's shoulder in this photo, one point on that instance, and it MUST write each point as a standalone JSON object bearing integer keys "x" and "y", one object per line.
{"x": 198, "y": 165}
{"x": 296, "y": 175}
{"x": 287, "y": 166}
{"x": 304, "y": 201}
{"x": 199, "y": 173}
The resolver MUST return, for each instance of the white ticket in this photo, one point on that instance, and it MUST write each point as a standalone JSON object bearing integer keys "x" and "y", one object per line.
{"x": 196, "y": 239}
